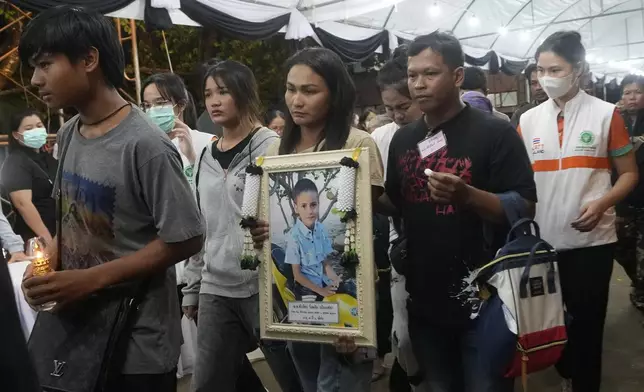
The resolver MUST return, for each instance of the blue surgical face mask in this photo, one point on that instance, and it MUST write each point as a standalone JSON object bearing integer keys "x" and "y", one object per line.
{"x": 34, "y": 138}
{"x": 163, "y": 116}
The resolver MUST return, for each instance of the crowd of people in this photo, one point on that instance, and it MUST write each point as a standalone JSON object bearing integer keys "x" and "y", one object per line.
{"x": 139, "y": 195}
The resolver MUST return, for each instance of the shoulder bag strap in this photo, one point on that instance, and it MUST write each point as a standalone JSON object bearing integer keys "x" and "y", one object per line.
{"x": 38, "y": 166}
{"x": 59, "y": 195}
{"x": 198, "y": 168}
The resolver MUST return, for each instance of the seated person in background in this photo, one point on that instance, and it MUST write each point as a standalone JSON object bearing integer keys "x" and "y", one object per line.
{"x": 475, "y": 80}
{"x": 308, "y": 245}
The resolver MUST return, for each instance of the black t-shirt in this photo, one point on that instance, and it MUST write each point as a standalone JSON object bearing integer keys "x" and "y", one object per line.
{"x": 226, "y": 157}
{"x": 446, "y": 242}
{"x": 25, "y": 169}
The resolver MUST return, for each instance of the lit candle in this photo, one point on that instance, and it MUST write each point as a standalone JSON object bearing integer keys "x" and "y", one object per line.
{"x": 41, "y": 264}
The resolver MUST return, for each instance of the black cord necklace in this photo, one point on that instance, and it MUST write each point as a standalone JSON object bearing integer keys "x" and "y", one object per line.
{"x": 106, "y": 117}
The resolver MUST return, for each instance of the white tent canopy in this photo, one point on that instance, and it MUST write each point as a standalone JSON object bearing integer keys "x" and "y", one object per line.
{"x": 612, "y": 30}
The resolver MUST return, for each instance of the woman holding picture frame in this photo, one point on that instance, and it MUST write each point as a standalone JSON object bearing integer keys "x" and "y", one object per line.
{"x": 320, "y": 96}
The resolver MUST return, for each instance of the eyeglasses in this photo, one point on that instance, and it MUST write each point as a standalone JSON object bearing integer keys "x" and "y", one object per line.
{"x": 145, "y": 106}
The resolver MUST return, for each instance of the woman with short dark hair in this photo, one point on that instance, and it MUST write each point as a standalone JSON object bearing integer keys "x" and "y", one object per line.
{"x": 224, "y": 295}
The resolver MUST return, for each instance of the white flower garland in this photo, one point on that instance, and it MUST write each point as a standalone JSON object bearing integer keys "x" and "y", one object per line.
{"x": 346, "y": 204}
{"x": 250, "y": 201}
{"x": 250, "y": 207}
{"x": 347, "y": 189}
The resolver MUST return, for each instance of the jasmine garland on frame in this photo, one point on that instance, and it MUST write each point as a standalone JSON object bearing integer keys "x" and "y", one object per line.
{"x": 250, "y": 206}
{"x": 346, "y": 205}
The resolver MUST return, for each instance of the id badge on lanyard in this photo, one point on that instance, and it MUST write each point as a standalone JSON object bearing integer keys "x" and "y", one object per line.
{"x": 435, "y": 141}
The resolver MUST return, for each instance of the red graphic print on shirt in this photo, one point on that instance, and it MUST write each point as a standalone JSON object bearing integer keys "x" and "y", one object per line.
{"x": 414, "y": 180}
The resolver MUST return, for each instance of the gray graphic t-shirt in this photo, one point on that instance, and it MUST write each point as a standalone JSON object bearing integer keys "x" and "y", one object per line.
{"x": 120, "y": 192}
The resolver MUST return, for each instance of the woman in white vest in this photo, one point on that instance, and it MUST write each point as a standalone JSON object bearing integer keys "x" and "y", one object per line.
{"x": 574, "y": 140}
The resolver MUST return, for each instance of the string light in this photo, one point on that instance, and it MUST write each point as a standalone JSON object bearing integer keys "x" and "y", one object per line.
{"x": 503, "y": 30}
{"x": 434, "y": 10}
{"x": 590, "y": 57}
{"x": 474, "y": 21}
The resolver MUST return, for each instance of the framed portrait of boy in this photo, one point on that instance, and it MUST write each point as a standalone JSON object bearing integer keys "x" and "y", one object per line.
{"x": 317, "y": 275}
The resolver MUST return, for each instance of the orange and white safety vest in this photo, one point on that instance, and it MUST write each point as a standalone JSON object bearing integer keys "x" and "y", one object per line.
{"x": 570, "y": 151}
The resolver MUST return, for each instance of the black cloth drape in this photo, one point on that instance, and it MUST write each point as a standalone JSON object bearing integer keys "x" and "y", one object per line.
{"x": 511, "y": 67}
{"x": 156, "y": 18}
{"x": 231, "y": 26}
{"x": 354, "y": 51}
{"x": 490, "y": 58}
{"x": 102, "y": 6}
{"x": 480, "y": 61}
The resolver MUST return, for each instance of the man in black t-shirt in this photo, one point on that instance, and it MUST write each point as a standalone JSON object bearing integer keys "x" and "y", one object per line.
{"x": 471, "y": 157}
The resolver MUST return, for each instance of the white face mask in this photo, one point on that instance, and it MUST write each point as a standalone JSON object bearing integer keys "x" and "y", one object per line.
{"x": 557, "y": 87}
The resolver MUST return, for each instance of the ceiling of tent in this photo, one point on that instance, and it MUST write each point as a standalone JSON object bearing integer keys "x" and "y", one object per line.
{"x": 612, "y": 30}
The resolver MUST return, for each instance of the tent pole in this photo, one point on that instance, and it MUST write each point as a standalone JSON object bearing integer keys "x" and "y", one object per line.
{"x": 135, "y": 61}
{"x": 528, "y": 91}
{"x": 604, "y": 84}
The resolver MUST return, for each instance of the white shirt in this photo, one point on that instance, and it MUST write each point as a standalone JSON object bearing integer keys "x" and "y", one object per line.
{"x": 200, "y": 140}
{"x": 25, "y": 312}
{"x": 383, "y": 136}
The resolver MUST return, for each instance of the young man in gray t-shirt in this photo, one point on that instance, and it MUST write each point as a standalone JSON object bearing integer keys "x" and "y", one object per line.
{"x": 127, "y": 211}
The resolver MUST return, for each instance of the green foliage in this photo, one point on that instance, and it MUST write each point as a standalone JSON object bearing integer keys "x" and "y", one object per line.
{"x": 188, "y": 48}
{"x": 249, "y": 263}
{"x": 266, "y": 59}
{"x": 191, "y": 46}
{"x": 7, "y": 12}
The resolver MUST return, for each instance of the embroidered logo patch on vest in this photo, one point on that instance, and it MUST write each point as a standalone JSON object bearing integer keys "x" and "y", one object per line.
{"x": 586, "y": 142}
{"x": 587, "y": 138}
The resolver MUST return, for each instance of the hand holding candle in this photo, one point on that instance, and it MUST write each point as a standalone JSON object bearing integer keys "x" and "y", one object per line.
{"x": 40, "y": 265}
{"x": 446, "y": 188}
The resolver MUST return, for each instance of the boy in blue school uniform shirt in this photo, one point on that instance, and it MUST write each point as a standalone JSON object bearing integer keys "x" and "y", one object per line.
{"x": 308, "y": 245}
